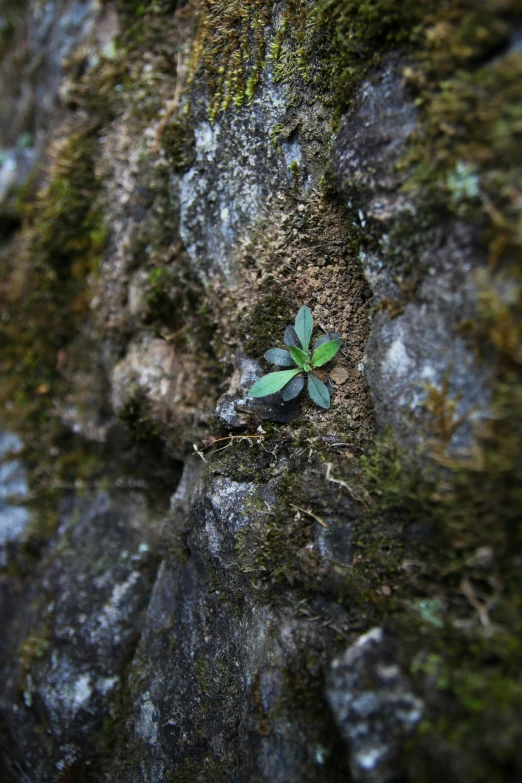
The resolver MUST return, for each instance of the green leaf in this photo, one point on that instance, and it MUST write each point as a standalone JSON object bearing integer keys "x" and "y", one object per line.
{"x": 272, "y": 382}
{"x": 293, "y": 388}
{"x": 280, "y": 357}
{"x": 291, "y": 337}
{"x": 326, "y": 339}
{"x": 325, "y": 352}
{"x": 299, "y": 356}
{"x": 318, "y": 391}
{"x": 304, "y": 324}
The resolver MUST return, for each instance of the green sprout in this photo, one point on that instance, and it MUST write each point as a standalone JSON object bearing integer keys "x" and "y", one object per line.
{"x": 297, "y": 340}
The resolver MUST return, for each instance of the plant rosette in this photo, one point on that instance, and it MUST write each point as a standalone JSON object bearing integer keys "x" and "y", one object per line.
{"x": 297, "y": 340}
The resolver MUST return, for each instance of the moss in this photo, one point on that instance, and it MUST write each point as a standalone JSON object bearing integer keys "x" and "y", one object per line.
{"x": 478, "y": 729}
{"x": 136, "y": 417}
{"x": 177, "y": 139}
{"x": 417, "y": 538}
{"x": 69, "y": 234}
{"x": 291, "y": 46}
{"x": 422, "y": 545}
{"x": 230, "y": 48}
{"x": 279, "y": 547}
{"x": 456, "y": 553}
{"x": 99, "y": 91}
{"x": 384, "y": 478}
{"x": 372, "y": 23}
{"x": 47, "y": 274}
{"x": 190, "y": 771}
{"x": 134, "y": 8}
{"x": 467, "y": 150}
{"x": 34, "y": 647}
{"x": 274, "y": 551}
{"x": 302, "y": 704}
{"x": 178, "y": 548}
{"x": 174, "y": 299}
{"x": 469, "y": 125}
{"x": 153, "y": 33}
{"x": 440, "y": 37}
{"x": 294, "y": 168}
{"x": 205, "y": 676}
{"x": 140, "y": 16}
{"x": 463, "y": 162}
{"x": 270, "y": 315}
{"x": 236, "y": 42}
{"x": 66, "y": 240}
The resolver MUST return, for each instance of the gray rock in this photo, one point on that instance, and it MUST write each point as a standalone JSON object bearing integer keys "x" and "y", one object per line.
{"x": 410, "y": 355}
{"x": 80, "y": 623}
{"x": 372, "y": 138}
{"x": 149, "y": 367}
{"x": 209, "y": 688}
{"x": 14, "y": 516}
{"x": 44, "y": 38}
{"x": 200, "y": 633}
{"x": 418, "y": 351}
{"x": 235, "y": 408}
{"x": 374, "y": 706}
{"x": 239, "y": 165}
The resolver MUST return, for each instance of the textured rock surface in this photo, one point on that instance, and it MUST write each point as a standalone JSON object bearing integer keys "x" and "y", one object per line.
{"x": 217, "y": 661}
{"x": 14, "y": 516}
{"x": 195, "y": 586}
{"x": 374, "y": 706}
{"x": 229, "y": 176}
{"x": 79, "y": 625}
{"x": 235, "y": 406}
{"x": 39, "y": 39}
{"x": 426, "y": 285}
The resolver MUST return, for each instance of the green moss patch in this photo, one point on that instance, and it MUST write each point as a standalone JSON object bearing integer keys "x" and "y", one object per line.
{"x": 230, "y": 46}
{"x": 47, "y": 277}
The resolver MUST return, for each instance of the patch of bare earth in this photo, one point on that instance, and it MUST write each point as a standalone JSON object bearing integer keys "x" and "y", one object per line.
{"x": 302, "y": 252}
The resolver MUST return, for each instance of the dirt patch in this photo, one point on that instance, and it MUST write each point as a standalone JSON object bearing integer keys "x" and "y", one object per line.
{"x": 302, "y": 252}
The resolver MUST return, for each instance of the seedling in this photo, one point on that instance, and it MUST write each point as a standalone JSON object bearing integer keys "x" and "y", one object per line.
{"x": 297, "y": 340}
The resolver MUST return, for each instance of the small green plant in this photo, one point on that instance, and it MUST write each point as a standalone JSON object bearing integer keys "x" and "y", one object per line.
{"x": 297, "y": 340}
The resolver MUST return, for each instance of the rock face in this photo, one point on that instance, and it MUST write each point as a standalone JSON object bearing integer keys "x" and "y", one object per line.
{"x": 14, "y": 516}
{"x": 194, "y": 585}
{"x": 220, "y": 649}
{"x": 79, "y": 624}
{"x": 419, "y": 347}
{"x": 38, "y": 42}
{"x": 229, "y": 176}
{"x": 374, "y": 706}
